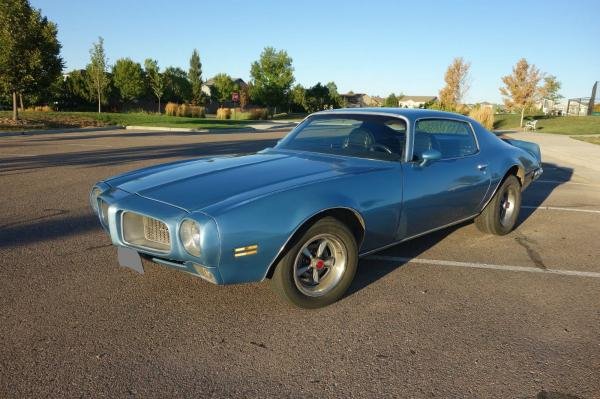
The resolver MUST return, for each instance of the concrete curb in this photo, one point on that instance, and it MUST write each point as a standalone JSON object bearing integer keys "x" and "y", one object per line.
{"x": 245, "y": 129}
{"x": 167, "y": 129}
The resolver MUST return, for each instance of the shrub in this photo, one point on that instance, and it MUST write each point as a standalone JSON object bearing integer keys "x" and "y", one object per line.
{"x": 253, "y": 114}
{"x": 171, "y": 109}
{"x": 183, "y": 110}
{"x": 259, "y": 113}
{"x": 196, "y": 111}
{"x": 223, "y": 113}
{"x": 40, "y": 108}
{"x": 483, "y": 115}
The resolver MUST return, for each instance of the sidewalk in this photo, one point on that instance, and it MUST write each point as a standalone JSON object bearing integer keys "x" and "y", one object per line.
{"x": 583, "y": 157}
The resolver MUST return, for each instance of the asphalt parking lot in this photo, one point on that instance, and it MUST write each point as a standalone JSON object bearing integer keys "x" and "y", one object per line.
{"x": 453, "y": 314}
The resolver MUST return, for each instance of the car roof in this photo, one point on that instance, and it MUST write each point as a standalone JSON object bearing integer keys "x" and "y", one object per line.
{"x": 409, "y": 113}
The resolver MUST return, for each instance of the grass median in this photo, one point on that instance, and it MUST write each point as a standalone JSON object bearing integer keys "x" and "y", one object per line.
{"x": 57, "y": 120}
{"x": 570, "y": 125}
{"x": 593, "y": 140}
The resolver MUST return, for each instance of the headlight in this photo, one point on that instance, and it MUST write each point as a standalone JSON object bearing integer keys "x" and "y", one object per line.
{"x": 104, "y": 213}
{"x": 94, "y": 194}
{"x": 189, "y": 234}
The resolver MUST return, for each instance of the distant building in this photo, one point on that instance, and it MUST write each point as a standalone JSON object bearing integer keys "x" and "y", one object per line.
{"x": 415, "y": 101}
{"x": 359, "y": 100}
{"x": 209, "y": 84}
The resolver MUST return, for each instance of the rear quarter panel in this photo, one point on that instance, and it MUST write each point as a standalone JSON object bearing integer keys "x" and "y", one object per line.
{"x": 501, "y": 157}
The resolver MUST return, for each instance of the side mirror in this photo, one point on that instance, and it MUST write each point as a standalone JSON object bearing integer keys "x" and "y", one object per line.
{"x": 430, "y": 156}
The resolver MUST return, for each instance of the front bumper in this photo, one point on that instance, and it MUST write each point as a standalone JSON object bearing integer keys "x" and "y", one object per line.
{"x": 117, "y": 202}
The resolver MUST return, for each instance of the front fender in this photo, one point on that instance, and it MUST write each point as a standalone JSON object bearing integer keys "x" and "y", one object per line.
{"x": 269, "y": 222}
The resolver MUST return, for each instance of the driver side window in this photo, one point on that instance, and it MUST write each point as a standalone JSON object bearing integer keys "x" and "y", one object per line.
{"x": 452, "y": 138}
{"x": 364, "y": 136}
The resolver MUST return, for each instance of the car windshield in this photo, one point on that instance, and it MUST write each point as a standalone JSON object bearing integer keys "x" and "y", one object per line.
{"x": 365, "y": 136}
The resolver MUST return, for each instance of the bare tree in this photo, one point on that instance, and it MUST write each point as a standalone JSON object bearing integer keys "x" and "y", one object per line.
{"x": 457, "y": 80}
{"x": 97, "y": 70}
{"x": 521, "y": 87}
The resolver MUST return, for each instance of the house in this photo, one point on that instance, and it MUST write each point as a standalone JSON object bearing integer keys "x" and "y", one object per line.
{"x": 358, "y": 100}
{"x": 208, "y": 85}
{"x": 486, "y": 104}
{"x": 415, "y": 101}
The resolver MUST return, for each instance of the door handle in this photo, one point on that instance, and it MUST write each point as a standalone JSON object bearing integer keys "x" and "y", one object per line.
{"x": 482, "y": 167}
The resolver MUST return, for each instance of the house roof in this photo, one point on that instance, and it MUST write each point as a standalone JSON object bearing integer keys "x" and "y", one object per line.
{"x": 418, "y": 99}
{"x": 211, "y": 81}
{"x": 353, "y": 94}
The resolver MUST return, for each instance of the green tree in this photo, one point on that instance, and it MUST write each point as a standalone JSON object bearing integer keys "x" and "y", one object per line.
{"x": 335, "y": 100}
{"x": 73, "y": 91}
{"x": 128, "y": 78}
{"x": 155, "y": 79}
{"x": 316, "y": 98}
{"x": 195, "y": 77}
{"x": 298, "y": 98}
{"x": 96, "y": 72}
{"x": 272, "y": 77}
{"x": 29, "y": 50}
{"x": 550, "y": 88}
{"x": 391, "y": 101}
{"x": 244, "y": 96}
{"x": 222, "y": 88}
{"x": 521, "y": 89}
{"x": 177, "y": 86}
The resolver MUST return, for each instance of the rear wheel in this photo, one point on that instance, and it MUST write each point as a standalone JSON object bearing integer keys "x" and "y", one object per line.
{"x": 500, "y": 215}
{"x": 320, "y": 266}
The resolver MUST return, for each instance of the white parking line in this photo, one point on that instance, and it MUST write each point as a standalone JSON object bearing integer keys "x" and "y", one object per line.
{"x": 450, "y": 263}
{"x": 558, "y": 208}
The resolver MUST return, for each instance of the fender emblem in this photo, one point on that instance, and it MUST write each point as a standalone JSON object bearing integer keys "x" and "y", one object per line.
{"x": 244, "y": 251}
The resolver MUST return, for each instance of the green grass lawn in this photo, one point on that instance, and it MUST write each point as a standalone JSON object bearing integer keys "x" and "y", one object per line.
{"x": 45, "y": 120}
{"x": 549, "y": 124}
{"x": 592, "y": 139}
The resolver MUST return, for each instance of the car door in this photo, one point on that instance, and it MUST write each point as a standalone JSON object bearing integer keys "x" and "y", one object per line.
{"x": 446, "y": 190}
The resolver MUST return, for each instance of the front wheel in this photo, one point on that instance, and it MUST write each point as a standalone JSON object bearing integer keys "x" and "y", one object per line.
{"x": 320, "y": 266}
{"x": 500, "y": 215}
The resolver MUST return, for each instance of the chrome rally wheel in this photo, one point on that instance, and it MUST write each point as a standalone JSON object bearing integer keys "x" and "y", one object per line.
{"x": 319, "y": 266}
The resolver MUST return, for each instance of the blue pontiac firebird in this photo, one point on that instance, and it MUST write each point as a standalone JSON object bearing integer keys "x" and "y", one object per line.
{"x": 341, "y": 185}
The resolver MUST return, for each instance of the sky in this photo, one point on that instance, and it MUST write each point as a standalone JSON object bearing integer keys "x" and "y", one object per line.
{"x": 374, "y": 47}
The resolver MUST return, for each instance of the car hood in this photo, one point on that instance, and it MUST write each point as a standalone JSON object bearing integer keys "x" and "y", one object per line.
{"x": 197, "y": 184}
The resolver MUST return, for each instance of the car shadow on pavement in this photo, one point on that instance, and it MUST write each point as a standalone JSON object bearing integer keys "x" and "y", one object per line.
{"x": 534, "y": 196}
{"x": 556, "y": 395}
{"x": 539, "y": 191}
{"x": 369, "y": 271}
{"x": 49, "y": 227}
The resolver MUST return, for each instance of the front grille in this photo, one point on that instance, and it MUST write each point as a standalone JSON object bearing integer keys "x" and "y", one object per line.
{"x": 156, "y": 231}
{"x": 145, "y": 232}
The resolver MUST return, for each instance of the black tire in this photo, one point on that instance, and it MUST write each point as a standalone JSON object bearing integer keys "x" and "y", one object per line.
{"x": 495, "y": 218}
{"x": 289, "y": 285}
